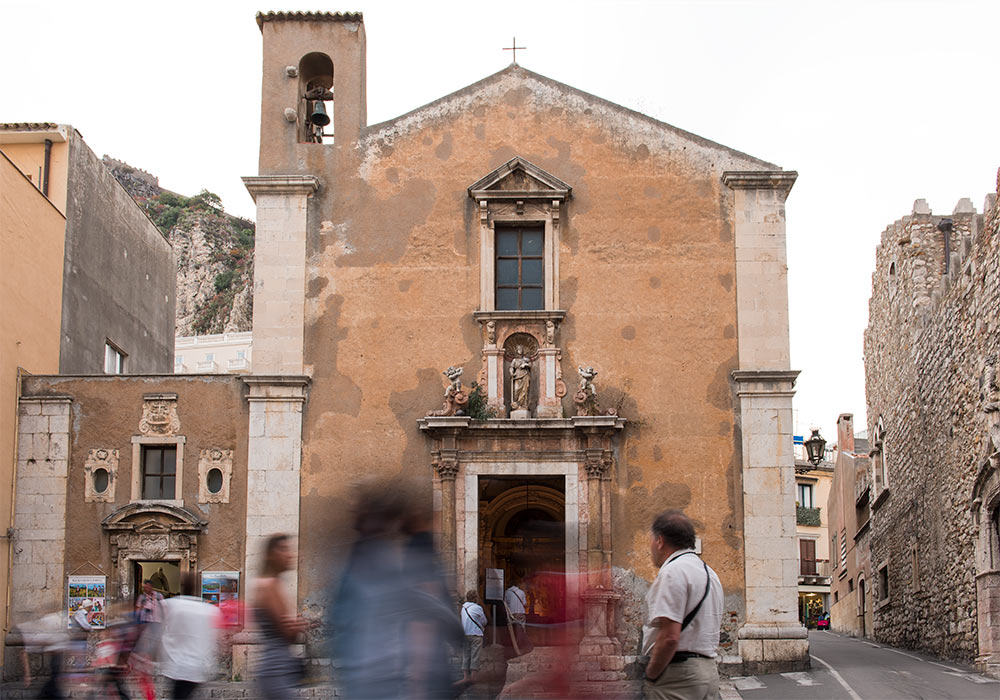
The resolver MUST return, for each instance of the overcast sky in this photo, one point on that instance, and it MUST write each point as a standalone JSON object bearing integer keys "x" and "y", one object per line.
{"x": 875, "y": 104}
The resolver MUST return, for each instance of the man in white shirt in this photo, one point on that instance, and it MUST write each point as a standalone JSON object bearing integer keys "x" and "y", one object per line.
{"x": 685, "y": 614}
{"x": 515, "y": 599}
{"x": 474, "y": 626}
{"x": 189, "y": 641}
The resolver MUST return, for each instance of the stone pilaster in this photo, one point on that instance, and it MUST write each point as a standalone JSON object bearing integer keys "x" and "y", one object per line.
{"x": 39, "y": 538}
{"x": 280, "y": 271}
{"x": 274, "y": 457}
{"x": 771, "y": 639}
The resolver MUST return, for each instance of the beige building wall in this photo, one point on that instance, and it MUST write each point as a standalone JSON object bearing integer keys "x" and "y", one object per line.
{"x": 32, "y": 233}
{"x": 26, "y": 150}
{"x": 218, "y": 353}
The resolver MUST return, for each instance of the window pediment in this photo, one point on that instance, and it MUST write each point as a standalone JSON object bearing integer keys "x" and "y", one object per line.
{"x": 519, "y": 179}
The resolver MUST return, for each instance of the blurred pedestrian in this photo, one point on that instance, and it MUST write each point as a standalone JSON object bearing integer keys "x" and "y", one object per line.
{"x": 366, "y": 618}
{"x": 685, "y": 613}
{"x": 111, "y": 659}
{"x": 278, "y": 670}
{"x": 433, "y": 629}
{"x": 83, "y": 618}
{"x": 149, "y": 616}
{"x": 474, "y": 627}
{"x": 47, "y": 636}
{"x": 189, "y": 643}
{"x": 149, "y": 604}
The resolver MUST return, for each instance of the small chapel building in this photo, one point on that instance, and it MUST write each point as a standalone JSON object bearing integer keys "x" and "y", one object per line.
{"x": 615, "y": 288}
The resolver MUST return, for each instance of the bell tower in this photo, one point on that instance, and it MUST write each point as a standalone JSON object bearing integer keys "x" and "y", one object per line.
{"x": 314, "y": 64}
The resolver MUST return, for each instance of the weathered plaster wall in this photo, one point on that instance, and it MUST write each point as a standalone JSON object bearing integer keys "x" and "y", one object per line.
{"x": 647, "y": 280}
{"x": 31, "y": 251}
{"x": 30, "y": 160}
{"x": 926, "y": 346}
{"x": 119, "y": 275}
{"x": 105, "y": 413}
{"x": 852, "y": 476}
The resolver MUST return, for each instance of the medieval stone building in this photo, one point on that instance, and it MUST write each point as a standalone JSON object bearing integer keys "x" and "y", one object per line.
{"x": 931, "y": 374}
{"x": 615, "y": 287}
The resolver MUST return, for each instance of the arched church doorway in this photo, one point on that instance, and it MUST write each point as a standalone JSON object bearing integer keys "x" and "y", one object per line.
{"x": 523, "y": 533}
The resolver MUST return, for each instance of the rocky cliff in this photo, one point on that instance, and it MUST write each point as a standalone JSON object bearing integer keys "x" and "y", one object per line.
{"x": 213, "y": 250}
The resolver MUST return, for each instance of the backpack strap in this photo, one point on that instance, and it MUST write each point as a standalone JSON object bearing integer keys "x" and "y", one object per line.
{"x": 466, "y": 611}
{"x": 708, "y": 582}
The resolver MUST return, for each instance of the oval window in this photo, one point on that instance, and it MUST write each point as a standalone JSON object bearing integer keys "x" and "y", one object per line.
{"x": 101, "y": 480}
{"x": 214, "y": 480}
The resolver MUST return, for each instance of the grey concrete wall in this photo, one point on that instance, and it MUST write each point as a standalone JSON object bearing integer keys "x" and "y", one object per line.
{"x": 119, "y": 275}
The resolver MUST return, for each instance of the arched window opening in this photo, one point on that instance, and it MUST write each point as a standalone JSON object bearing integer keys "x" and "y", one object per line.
{"x": 892, "y": 278}
{"x": 316, "y": 97}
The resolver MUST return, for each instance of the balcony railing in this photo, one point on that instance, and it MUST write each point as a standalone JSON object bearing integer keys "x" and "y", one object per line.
{"x": 807, "y": 516}
{"x": 814, "y": 572}
{"x": 208, "y": 367}
{"x": 239, "y": 363}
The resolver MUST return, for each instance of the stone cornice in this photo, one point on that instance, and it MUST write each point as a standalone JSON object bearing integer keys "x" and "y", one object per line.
{"x": 519, "y": 315}
{"x": 761, "y": 376}
{"x": 434, "y": 424}
{"x": 760, "y": 179}
{"x": 264, "y": 387}
{"x": 281, "y": 184}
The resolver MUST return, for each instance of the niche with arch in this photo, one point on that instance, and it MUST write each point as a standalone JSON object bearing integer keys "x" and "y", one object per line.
{"x": 316, "y": 98}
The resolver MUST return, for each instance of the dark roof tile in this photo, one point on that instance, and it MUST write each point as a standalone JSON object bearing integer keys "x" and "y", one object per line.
{"x": 308, "y": 17}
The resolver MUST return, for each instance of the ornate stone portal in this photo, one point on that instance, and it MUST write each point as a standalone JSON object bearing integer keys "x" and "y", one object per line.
{"x": 580, "y": 450}
{"x": 150, "y": 532}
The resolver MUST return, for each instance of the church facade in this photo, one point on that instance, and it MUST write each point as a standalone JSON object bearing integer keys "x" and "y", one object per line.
{"x": 559, "y": 315}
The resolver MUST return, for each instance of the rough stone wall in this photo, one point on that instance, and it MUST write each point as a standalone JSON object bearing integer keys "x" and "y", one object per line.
{"x": 213, "y": 252}
{"x": 928, "y": 337}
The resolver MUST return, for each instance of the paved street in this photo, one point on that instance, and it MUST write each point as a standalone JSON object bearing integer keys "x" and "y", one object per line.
{"x": 844, "y": 668}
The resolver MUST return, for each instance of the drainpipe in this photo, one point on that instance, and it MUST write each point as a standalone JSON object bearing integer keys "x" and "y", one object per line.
{"x": 45, "y": 172}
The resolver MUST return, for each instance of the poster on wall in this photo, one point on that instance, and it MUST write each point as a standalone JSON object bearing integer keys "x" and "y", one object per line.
{"x": 222, "y": 588}
{"x": 87, "y": 594}
{"x": 494, "y": 584}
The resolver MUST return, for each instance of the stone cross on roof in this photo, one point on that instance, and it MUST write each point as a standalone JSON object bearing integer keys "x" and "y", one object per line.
{"x": 514, "y": 47}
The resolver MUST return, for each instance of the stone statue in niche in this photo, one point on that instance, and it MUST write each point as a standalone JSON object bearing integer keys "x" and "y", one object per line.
{"x": 989, "y": 393}
{"x": 586, "y": 398}
{"x": 520, "y": 382}
{"x": 454, "y": 398}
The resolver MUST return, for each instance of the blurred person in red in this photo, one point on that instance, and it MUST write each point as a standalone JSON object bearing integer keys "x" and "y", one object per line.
{"x": 684, "y": 618}
{"x": 278, "y": 670}
{"x": 190, "y": 639}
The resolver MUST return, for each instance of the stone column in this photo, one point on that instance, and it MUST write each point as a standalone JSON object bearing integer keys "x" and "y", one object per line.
{"x": 446, "y": 466}
{"x": 771, "y": 639}
{"x": 550, "y": 386}
{"x": 274, "y": 457}
{"x": 38, "y": 576}
{"x": 280, "y": 271}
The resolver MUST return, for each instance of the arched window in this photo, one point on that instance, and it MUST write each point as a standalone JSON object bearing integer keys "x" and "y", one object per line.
{"x": 316, "y": 98}
{"x": 892, "y": 278}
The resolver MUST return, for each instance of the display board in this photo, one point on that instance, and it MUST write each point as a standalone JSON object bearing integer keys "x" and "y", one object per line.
{"x": 92, "y": 588}
{"x": 494, "y": 584}
{"x": 222, "y": 588}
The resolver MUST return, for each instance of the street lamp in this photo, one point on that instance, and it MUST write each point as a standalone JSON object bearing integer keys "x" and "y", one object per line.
{"x": 815, "y": 447}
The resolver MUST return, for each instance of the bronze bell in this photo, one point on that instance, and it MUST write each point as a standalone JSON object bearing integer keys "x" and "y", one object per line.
{"x": 319, "y": 117}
